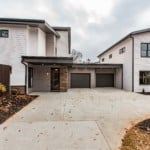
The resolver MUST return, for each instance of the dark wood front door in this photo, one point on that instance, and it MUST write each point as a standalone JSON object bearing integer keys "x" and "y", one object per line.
{"x": 55, "y": 79}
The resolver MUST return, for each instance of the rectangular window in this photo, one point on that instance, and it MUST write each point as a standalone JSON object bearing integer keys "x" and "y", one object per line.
{"x": 110, "y": 56}
{"x": 30, "y": 77}
{"x": 145, "y": 49}
{"x": 103, "y": 59}
{"x": 144, "y": 77}
{"x": 122, "y": 50}
{"x": 4, "y": 33}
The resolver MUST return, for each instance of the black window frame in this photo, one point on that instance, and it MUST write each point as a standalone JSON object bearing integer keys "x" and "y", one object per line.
{"x": 147, "y": 49}
{"x": 103, "y": 59}
{"x": 2, "y": 35}
{"x": 110, "y": 56}
{"x": 122, "y": 50}
{"x": 141, "y": 77}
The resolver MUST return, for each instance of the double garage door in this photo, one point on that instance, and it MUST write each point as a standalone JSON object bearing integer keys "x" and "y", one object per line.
{"x": 83, "y": 80}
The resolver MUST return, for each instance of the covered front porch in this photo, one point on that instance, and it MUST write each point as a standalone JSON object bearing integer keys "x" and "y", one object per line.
{"x": 45, "y": 74}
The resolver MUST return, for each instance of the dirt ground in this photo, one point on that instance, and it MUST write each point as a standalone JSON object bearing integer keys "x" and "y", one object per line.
{"x": 138, "y": 137}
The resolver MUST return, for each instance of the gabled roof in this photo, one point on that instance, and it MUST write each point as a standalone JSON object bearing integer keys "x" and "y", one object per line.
{"x": 31, "y": 22}
{"x": 127, "y": 36}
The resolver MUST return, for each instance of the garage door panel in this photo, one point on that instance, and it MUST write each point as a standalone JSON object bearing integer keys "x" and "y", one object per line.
{"x": 104, "y": 80}
{"x": 80, "y": 80}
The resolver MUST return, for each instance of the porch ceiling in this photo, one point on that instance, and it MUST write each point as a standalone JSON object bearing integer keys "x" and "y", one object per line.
{"x": 36, "y": 60}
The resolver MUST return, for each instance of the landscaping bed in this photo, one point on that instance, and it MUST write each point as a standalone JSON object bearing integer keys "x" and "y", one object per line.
{"x": 138, "y": 137}
{"x": 9, "y": 105}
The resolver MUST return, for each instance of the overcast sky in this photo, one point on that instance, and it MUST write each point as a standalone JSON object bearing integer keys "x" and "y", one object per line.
{"x": 95, "y": 24}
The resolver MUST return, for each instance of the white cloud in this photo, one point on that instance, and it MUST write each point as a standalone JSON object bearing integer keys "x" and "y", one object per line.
{"x": 96, "y": 9}
{"x": 96, "y": 24}
{"x": 143, "y": 18}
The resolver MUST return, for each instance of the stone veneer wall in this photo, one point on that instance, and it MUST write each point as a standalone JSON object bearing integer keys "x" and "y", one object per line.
{"x": 20, "y": 89}
{"x": 63, "y": 79}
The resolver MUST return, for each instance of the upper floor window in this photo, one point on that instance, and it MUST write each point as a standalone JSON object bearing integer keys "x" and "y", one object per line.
{"x": 103, "y": 59}
{"x": 145, "y": 49}
{"x": 122, "y": 50}
{"x": 144, "y": 77}
{"x": 110, "y": 56}
{"x": 4, "y": 33}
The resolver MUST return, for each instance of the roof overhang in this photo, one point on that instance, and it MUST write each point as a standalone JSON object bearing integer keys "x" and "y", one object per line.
{"x": 97, "y": 66}
{"x": 41, "y": 60}
{"x": 36, "y": 60}
{"x": 42, "y": 24}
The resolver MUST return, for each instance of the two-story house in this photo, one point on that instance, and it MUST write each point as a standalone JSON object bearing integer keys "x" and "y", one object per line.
{"x": 40, "y": 59}
{"x": 32, "y": 47}
{"x": 133, "y": 51}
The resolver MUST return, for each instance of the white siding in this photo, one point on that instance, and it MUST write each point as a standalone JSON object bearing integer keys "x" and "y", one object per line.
{"x": 32, "y": 42}
{"x": 11, "y": 50}
{"x": 140, "y": 64}
{"x": 41, "y": 43}
{"x": 125, "y": 59}
{"x": 36, "y": 42}
{"x": 118, "y": 78}
{"x": 50, "y": 47}
{"x": 63, "y": 44}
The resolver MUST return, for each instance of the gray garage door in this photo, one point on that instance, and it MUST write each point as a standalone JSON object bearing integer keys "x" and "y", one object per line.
{"x": 80, "y": 80}
{"x": 104, "y": 80}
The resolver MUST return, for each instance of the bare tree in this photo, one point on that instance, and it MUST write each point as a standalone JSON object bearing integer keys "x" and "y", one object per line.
{"x": 77, "y": 56}
{"x": 88, "y": 60}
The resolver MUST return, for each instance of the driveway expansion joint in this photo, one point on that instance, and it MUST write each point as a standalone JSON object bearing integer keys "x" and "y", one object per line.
{"x": 103, "y": 135}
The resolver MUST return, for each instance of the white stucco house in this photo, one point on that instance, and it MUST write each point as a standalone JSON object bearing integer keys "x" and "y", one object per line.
{"x": 40, "y": 58}
{"x": 133, "y": 52}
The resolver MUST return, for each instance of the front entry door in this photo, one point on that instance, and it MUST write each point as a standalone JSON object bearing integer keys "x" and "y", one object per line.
{"x": 55, "y": 79}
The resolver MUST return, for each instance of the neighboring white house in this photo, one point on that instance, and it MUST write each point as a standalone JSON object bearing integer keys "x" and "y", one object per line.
{"x": 40, "y": 58}
{"x": 133, "y": 51}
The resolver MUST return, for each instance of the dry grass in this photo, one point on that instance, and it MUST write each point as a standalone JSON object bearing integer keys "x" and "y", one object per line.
{"x": 136, "y": 139}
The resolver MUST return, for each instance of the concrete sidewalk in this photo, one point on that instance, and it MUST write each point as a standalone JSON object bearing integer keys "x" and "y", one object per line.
{"x": 89, "y": 119}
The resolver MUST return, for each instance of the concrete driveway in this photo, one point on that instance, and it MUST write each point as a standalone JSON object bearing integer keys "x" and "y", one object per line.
{"x": 80, "y": 119}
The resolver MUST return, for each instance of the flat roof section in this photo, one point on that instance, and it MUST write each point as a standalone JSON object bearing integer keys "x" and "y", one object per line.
{"x": 42, "y": 24}
{"x": 91, "y": 65}
{"x": 39, "y": 60}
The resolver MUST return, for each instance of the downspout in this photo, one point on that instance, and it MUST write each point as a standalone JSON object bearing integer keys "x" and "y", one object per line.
{"x": 122, "y": 75}
{"x": 132, "y": 62}
{"x": 26, "y": 67}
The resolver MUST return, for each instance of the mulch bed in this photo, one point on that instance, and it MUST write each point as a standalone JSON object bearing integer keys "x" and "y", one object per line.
{"x": 138, "y": 137}
{"x": 144, "y": 125}
{"x": 9, "y": 105}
